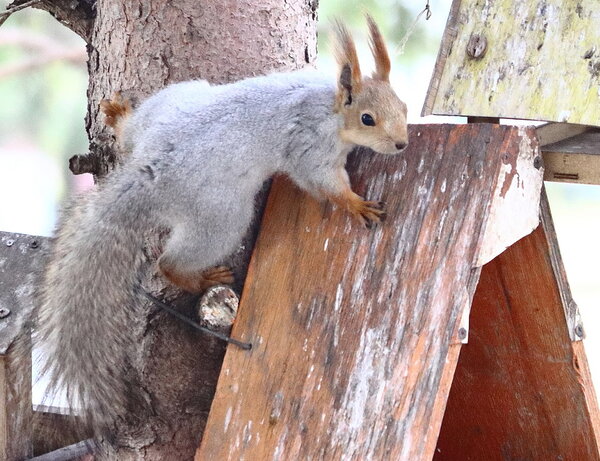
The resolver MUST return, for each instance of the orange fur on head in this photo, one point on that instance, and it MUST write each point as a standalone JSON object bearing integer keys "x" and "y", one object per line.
{"x": 372, "y": 113}
{"x": 382, "y": 58}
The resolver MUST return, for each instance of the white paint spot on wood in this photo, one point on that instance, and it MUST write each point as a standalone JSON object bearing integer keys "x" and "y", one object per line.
{"x": 564, "y": 115}
{"x": 280, "y": 447}
{"x": 248, "y": 431}
{"x": 421, "y": 165}
{"x": 338, "y": 298}
{"x": 227, "y": 419}
{"x": 514, "y": 211}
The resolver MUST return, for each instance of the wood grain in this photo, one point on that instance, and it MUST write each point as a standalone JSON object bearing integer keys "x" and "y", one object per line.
{"x": 522, "y": 390}
{"x": 355, "y": 332}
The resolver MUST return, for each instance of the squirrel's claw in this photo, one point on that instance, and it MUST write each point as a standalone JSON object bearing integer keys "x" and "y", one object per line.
{"x": 370, "y": 213}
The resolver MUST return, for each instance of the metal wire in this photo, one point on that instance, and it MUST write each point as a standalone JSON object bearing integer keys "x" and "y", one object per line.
{"x": 185, "y": 319}
{"x": 427, "y": 12}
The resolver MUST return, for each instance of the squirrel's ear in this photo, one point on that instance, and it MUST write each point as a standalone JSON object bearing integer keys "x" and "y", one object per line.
{"x": 350, "y": 79}
{"x": 382, "y": 59}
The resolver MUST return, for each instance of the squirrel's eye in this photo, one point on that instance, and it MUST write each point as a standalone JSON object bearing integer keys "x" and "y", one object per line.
{"x": 367, "y": 120}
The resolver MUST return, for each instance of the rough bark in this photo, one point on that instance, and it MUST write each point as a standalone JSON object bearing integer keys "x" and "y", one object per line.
{"x": 138, "y": 47}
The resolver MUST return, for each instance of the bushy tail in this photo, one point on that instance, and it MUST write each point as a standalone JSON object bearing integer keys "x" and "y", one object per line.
{"x": 117, "y": 110}
{"x": 87, "y": 317}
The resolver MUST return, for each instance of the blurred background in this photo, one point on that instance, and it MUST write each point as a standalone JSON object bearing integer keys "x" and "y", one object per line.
{"x": 43, "y": 82}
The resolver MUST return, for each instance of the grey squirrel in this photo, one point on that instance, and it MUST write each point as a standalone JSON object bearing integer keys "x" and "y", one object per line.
{"x": 198, "y": 155}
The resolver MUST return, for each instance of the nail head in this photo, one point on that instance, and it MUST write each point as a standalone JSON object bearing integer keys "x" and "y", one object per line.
{"x": 477, "y": 46}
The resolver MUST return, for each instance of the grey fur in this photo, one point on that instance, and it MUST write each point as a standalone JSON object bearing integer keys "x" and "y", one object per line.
{"x": 199, "y": 155}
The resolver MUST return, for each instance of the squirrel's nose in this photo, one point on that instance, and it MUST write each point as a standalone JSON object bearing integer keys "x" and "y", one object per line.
{"x": 401, "y": 145}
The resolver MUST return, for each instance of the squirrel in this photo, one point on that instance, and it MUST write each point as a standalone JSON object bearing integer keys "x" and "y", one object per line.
{"x": 197, "y": 156}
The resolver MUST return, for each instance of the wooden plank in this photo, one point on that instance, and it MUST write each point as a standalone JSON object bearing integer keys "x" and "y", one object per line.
{"x": 522, "y": 389}
{"x": 549, "y": 133}
{"x": 571, "y": 311}
{"x": 513, "y": 208}
{"x": 54, "y": 427}
{"x": 20, "y": 260}
{"x": 78, "y": 451}
{"x": 587, "y": 142}
{"x": 356, "y": 333}
{"x": 576, "y": 159}
{"x": 450, "y": 33}
{"x": 541, "y": 61}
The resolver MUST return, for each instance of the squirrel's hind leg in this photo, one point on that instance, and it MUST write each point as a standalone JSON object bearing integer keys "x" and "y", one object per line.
{"x": 191, "y": 265}
{"x": 194, "y": 281}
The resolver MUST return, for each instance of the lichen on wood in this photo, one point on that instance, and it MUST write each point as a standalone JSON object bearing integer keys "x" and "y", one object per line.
{"x": 542, "y": 61}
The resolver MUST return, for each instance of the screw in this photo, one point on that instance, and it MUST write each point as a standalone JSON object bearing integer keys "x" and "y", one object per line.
{"x": 462, "y": 333}
{"x": 579, "y": 331}
{"x": 477, "y": 46}
{"x": 9, "y": 242}
{"x": 537, "y": 162}
{"x": 34, "y": 244}
{"x": 4, "y": 312}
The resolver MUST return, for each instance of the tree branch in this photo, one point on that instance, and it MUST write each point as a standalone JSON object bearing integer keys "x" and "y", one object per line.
{"x": 77, "y": 15}
{"x": 5, "y": 14}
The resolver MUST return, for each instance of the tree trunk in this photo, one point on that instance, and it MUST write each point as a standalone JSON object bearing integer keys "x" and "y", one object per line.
{"x": 138, "y": 47}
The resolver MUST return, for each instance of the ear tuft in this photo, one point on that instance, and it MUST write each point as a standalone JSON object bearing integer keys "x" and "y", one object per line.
{"x": 379, "y": 50}
{"x": 347, "y": 59}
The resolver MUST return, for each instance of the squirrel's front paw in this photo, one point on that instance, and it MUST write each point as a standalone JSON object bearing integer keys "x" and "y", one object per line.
{"x": 369, "y": 212}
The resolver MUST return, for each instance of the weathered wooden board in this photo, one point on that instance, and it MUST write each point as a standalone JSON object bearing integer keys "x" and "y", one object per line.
{"x": 20, "y": 260}
{"x": 514, "y": 207}
{"x": 522, "y": 389}
{"x": 550, "y": 133}
{"x": 54, "y": 428}
{"x": 356, "y": 332}
{"x": 576, "y": 159}
{"x": 537, "y": 60}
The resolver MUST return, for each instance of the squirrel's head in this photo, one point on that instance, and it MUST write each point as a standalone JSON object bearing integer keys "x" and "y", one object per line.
{"x": 373, "y": 115}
